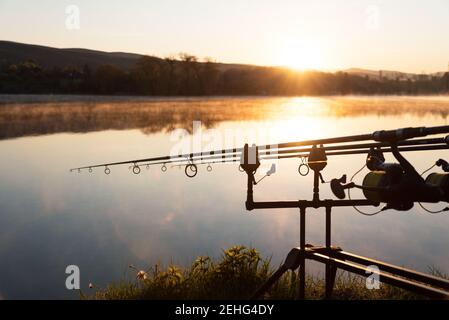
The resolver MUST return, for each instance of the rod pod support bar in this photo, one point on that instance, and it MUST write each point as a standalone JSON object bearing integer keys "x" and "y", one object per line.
{"x": 249, "y": 163}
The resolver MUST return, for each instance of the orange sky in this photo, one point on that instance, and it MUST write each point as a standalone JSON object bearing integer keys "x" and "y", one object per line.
{"x": 403, "y": 35}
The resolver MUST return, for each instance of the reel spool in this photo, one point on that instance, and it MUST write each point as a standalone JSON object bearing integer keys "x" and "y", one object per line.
{"x": 376, "y": 186}
{"x": 400, "y": 194}
{"x": 440, "y": 180}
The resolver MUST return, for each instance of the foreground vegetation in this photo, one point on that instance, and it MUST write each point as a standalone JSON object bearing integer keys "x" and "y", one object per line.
{"x": 235, "y": 276}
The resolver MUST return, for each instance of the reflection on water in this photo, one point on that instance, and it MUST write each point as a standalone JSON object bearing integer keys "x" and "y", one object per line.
{"x": 155, "y": 115}
{"x": 50, "y": 218}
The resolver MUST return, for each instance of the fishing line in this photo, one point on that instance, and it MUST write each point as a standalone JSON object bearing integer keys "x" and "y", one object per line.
{"x": 349, "y": 196}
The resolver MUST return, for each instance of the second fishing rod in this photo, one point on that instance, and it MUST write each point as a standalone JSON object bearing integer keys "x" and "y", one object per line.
{"x": 338, "y": 145}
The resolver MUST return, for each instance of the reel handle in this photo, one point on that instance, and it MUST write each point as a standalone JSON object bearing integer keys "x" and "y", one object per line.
{"x": 338, "y": 187}
{"x": 443, "y": 164}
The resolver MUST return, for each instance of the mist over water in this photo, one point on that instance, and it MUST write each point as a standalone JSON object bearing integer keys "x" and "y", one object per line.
{"x": 51, "y": 218}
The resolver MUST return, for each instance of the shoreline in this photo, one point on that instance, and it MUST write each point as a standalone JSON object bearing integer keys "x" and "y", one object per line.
{"x": 47, "y": 98}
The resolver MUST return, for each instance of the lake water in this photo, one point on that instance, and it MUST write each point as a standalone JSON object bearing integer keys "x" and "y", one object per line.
{"x": 51, "y": 218}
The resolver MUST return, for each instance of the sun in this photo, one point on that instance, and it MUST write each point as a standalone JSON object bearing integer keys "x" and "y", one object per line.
{"x": 299, "y": 55}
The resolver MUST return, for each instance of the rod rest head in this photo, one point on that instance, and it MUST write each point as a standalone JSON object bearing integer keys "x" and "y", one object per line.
{"x": 317, "y": 159}
{"x": 250, "y": 159}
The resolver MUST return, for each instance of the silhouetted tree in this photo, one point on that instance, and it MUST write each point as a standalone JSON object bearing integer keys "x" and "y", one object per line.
{"x": 191, "y": 84}
{"x": 209, "y": 75}
{"x": 144, "y": 75}
{"x": 445, "y": 80}
{"x": 171, "y": 81}
{"x": 189, "y": 76}
{"x": 109, "y": 80}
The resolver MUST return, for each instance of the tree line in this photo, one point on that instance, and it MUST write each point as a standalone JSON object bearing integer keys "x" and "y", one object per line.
{"x": 185, "y": 75}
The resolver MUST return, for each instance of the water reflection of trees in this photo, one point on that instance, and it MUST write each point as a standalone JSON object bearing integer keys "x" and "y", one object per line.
{"x": 151, "y": 116}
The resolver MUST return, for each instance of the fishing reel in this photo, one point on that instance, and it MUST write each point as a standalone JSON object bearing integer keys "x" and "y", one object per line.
{"x": 398, "y": 185}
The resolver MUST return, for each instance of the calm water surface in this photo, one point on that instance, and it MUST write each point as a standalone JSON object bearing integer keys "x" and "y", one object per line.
{"x": 51, "y": 218}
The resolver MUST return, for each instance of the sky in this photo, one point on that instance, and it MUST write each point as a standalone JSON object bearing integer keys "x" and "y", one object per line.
{"x": 402, "y": 35}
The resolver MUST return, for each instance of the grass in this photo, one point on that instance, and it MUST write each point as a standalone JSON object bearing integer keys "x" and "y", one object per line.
{"x": 235, "y": 276}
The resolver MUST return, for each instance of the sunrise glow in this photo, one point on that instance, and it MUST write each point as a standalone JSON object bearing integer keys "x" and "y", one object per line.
{"x": 299, "y": 55}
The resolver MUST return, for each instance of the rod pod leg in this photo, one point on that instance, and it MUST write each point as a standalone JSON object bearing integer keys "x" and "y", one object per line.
{"x": 302, "y": 255}
{"x": 291, "y": 263}
{"x": 331, "y": 272}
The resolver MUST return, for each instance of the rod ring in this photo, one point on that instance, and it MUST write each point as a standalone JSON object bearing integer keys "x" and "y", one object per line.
{"x": 193, "y": 168}
{"x": 164, "y": 168}
{"x": 107, "y": 170}
{"x": 209, "y": 168}
{"x": 136, "y": 169}
{"x": 90, "y": 170}
{"x": 303, "y": 172}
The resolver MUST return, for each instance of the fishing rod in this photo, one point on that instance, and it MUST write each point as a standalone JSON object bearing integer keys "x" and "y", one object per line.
{"x": 229, "y": 155}
{"x": 313, "y": 155}
{"x": 285, "y": 154}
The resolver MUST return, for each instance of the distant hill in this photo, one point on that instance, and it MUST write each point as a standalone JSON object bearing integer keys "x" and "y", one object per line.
{"x": 14, "y": 52}
{"x": 387, "y": 74}
{"x": 48, "y": 57}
